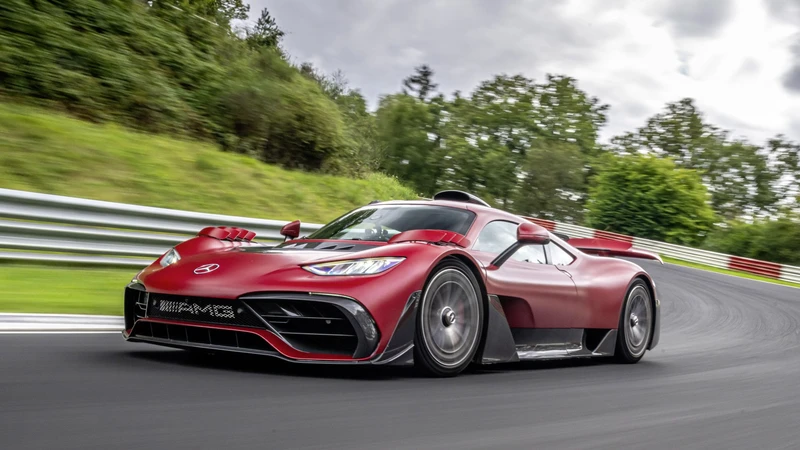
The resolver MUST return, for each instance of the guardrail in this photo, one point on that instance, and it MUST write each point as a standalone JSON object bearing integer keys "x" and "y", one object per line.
{"x": 58, "y": 229}
{"x": 689, "y": 254}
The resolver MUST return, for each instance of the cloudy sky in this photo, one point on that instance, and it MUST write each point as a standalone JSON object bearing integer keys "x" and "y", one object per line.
{"x": 740, "y": 59}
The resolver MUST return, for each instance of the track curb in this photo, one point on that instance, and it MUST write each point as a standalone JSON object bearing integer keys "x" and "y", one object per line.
{"x": 18, "y": 322}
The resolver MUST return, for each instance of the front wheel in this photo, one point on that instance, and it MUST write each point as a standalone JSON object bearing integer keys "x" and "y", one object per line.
{"x": 635, "y": 324}
{"x": 449, "y": 320}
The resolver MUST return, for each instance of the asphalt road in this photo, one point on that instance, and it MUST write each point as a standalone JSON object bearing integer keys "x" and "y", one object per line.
{"x": 724, "y": 376}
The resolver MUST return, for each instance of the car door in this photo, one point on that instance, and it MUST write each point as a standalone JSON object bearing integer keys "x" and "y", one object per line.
{"x": 534, "y": 293}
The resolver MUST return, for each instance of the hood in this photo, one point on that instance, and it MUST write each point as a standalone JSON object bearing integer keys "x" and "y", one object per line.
{"x": 232, "y": 272}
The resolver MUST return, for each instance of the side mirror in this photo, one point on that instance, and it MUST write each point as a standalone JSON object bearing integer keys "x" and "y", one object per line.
{"x": 530, "y": 233}
{"x": 291, "y": 230}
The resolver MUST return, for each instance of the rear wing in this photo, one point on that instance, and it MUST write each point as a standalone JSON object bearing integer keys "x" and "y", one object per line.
{"x": 608, "y": 247}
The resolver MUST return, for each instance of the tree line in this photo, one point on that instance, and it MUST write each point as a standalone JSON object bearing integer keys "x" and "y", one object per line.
{"x": 528, "y": 146}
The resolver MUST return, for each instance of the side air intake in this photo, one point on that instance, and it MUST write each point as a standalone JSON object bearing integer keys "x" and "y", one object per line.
{"x": 460, "y": 196}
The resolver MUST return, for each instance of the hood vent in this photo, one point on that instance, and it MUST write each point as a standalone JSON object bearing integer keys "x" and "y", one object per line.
{"x": 335, "y": 246}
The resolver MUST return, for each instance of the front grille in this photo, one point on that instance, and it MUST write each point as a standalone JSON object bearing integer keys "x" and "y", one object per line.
{"x": 202, "y": 337}
{"x": 308, "y": 325}
{"x": 202, "y": 310}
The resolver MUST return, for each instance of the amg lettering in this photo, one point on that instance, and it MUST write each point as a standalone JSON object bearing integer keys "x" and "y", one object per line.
{"x": 221, "y": 311}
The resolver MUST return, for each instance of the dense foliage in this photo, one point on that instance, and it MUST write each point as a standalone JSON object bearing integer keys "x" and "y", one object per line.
{"x": 768, "y": 240}
{"x": 650, "y": 198}
{"x": 161, "y": 66}
{"x": 532, "y": 147}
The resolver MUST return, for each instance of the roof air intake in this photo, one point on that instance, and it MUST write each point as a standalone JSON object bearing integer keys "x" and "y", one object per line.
{"x": 460, "y": 196}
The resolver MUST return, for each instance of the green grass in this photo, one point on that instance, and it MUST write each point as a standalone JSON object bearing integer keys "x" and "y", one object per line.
{"x": 43, "y": 151}
{"x": 45, "y": 289}
{"x": 736, "y": 273}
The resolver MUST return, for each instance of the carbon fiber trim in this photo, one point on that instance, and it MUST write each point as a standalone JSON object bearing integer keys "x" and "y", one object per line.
{"x": 398, "y": 350}
{"x": 498, "y": 346}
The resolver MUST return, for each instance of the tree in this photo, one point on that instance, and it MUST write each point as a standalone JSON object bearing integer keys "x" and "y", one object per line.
{"x": 768, "y": 240}
{"x": 523, "y": 117}
{"x": 736, "y": 173}
{"x": 420, "y": 83}
{"x": 265, "y": 33}
{"x": 333, "y": 85}
{"x": 569, "y": 114}
{"x": 403, "y": 122}
{"x": 649, "y": 197}
{"x": 552, "y": 183}
{"x": 222, "y": 11}
{"x": 784, "y": 161}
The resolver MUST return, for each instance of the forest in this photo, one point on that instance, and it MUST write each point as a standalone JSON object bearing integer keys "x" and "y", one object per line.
{"x": 532, "y": 147}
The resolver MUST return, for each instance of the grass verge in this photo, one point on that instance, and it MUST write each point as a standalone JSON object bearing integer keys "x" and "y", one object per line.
{"x": 43, "y": 151}
{"x": 735, "y": 273}
{"x": 65, "y": 290}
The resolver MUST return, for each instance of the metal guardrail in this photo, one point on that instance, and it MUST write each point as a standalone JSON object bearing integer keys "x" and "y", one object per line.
{"x": 58, "y": 229}
{"x": 689, "y": 254}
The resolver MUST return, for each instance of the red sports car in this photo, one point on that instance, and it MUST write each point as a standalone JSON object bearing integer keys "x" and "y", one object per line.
{"x": 439, "y": 284}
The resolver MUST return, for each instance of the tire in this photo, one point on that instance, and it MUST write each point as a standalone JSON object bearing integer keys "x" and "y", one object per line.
{"x": 635, "y": 324}
{"x": 449, "y": 320}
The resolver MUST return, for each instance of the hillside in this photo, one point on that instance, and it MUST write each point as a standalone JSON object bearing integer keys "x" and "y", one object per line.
{"x": 47, "y": 152}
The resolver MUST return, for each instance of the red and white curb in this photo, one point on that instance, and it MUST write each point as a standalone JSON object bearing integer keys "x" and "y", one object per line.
{"x": 719, "y": 260}
{"x": 59, "y": 323}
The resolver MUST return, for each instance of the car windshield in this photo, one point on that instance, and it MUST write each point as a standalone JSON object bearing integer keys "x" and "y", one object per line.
{"x": 380, "y": 223}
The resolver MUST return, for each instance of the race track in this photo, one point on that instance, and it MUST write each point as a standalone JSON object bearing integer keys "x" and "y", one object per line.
{"x": 724, "y": 376}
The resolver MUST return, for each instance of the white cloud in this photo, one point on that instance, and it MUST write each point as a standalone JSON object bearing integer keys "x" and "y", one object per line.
{"x": 733, "y": 56}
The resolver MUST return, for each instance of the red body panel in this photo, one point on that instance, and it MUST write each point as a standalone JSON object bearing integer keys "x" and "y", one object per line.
{"x": 534, "y": 295}
{"x": 587, "y": 293}
{"x": 608, "y": 247}
{"x": 383, "y": 295}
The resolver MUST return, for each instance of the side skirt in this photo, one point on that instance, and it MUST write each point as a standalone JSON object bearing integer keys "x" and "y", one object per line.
{"x": 560, "y": 343}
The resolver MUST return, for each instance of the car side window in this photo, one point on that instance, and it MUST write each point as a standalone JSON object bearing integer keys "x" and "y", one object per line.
{"x": 559, "y": 256}
{"x": 498, "y": 235}
{"x": 531, "y": 254}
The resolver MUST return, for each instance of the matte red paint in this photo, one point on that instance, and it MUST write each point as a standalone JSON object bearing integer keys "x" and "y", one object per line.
{"x": 532, "y": 233}
{"x": 600, "y": 234}
{"x": 549, "y": 225}
{"x": 291, "y": 230}
{"x": 606, "y": 247}
{"x": 228, "y": 233}
{"x": 587, "y": 293}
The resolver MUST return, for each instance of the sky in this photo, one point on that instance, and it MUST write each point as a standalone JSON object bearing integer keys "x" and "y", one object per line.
{"x": 739, "y": 59}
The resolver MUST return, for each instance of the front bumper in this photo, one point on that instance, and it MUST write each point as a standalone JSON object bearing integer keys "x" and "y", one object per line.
{"x": 299, "y": 327}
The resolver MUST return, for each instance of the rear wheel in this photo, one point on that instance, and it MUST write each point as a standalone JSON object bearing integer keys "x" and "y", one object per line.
{"x": 635, "y": 324}
{"x": 449, "y": 320}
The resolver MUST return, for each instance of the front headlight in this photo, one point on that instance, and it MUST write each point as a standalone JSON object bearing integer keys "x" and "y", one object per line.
{"x": 366, "y": 266}
{"x": 171, "y": 257}
{"x": 135, "y": 279}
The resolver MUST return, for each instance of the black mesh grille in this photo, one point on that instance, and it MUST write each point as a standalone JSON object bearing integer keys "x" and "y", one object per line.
{"x": 308, "y": 325}
{"x": 202, "y": 310}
